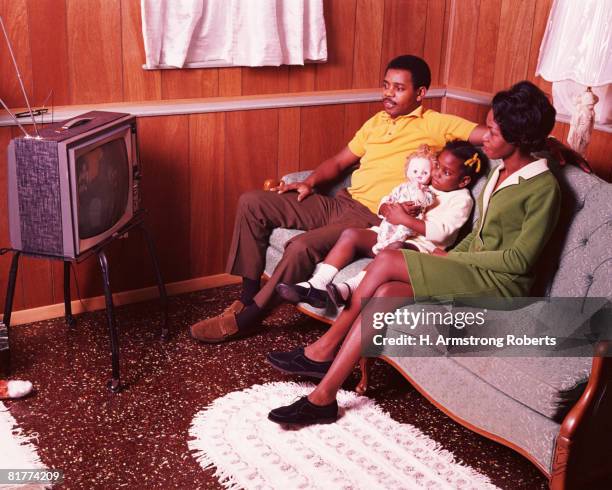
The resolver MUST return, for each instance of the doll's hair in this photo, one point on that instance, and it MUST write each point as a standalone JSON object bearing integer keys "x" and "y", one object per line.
{"x": 423, "y": 151}
{"x": 525, "y": 116}
{"x": 474, "y": 160}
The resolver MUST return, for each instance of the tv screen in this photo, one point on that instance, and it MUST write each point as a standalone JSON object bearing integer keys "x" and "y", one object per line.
{"x": 102, "y": 187}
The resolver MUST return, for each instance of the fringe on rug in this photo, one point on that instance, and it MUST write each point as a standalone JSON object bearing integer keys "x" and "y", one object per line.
{"x": 17, "y": 450}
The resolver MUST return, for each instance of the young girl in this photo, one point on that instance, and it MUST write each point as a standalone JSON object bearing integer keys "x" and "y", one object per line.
{"x": 453, "y": 170}
{"x": 519, "y": 207}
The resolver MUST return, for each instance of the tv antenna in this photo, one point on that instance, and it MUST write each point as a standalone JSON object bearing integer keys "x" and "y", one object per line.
{"x": 25, "y": 95}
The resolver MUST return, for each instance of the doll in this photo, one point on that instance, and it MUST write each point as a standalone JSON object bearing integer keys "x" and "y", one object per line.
{"x": 415, "y": 189}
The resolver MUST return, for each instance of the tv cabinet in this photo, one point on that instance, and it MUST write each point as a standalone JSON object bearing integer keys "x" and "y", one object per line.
{"x": 137, "y": 221}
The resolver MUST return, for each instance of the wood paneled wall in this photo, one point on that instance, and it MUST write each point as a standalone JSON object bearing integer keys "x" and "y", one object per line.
{"x": 91, "y": 51}
{"x": 495, "y": 43}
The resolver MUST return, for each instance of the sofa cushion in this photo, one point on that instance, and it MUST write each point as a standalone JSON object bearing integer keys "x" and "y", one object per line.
{"x": 280, "y": 237}
{"x": 537, "y": 382}
{"x": 466, "y": 396}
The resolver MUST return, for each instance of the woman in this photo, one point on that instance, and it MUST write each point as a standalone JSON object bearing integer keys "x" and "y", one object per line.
{"x": 519, "y": 207}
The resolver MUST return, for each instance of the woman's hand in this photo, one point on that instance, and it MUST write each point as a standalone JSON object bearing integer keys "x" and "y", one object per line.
{"x": 439, "y": 252}
{"x": 303, "y": 189}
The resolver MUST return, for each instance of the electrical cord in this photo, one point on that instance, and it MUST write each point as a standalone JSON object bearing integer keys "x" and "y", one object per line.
{"x": 76, "y": 283}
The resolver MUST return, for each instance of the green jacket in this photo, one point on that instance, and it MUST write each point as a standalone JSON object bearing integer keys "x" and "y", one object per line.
{"x": 519, "y": 220}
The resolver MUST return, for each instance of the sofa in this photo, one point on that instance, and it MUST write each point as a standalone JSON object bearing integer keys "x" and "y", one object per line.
{"x": 556, "y": 411}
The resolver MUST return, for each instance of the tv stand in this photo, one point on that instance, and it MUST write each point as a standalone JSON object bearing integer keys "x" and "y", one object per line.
{"x": 114, "y": 384}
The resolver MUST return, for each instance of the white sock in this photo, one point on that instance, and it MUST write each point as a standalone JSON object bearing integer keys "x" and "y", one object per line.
{"x": 321, "y": 277}
{"x": 17, "y": 389}
{"x": 350, "y": 285}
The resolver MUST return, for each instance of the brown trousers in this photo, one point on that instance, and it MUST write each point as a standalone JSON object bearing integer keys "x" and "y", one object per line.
{"x": 324, "y": 219}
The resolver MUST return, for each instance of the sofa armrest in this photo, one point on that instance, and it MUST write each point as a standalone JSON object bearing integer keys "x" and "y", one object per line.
{"x": 327, "y": 190}
{"x": 296, "y": 176}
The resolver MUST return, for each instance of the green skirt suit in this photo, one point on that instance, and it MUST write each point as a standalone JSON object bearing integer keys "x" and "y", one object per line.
{"x": 498, "y": 257}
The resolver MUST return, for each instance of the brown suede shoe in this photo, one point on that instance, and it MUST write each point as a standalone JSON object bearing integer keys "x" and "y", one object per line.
{"x": 233, "y": 309}
{"x": 216, "y": 329}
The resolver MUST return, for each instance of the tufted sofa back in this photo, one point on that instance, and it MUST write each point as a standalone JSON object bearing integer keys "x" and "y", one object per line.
{"x": 583, "y": 239}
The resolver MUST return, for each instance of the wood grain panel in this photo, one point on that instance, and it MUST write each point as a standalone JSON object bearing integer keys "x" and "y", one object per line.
{"x": 49, "y": 47}
{"x": 560, "y": 131}
{"x": 35, "y": 276}
{"x": 164, "y": 154}
{"x": 87, "y": 278}
{"x": 463, "y": 109}
{"x": 94, "y": 48}
{"x": 598, "y": 154}
{"x": 265, "y": 80}
{"x": 206, "y": 181}
{"x": 434, "y": 104}
{"x": 15, "y": 16}
{"x": 403, "y": 30}
{"x": 486, "y": 45}
{"x": 230, "y": 81}
{"x": 542, "y": 10}
{"x": 5, "y": 260}
{"x": 251, "y": 151}
{"x": 433, "y": 46}
{"x": 190, "y": 83}
{"x": 355, "y": 115}
{"x": 368, "y": 43}
{"x": 302, "y": 78}
{"x": 463, "y": 43}
{"x": 138, "y": 84}
{"x": 512, "y": 54}
{"x": 340, "y": 26}
{"x": 320, "y": 134}
{"x": 446, "y": 35}
{"x": 288, "y": 140}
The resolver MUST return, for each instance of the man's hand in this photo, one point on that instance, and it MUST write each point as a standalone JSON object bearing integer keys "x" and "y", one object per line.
{"x": 439, "y": 252}
{"x": 303, "y": 189}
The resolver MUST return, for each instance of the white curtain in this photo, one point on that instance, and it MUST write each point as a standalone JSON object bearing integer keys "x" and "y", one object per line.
{"x": 193, "y": 33}
{"x": 576, "y": 52}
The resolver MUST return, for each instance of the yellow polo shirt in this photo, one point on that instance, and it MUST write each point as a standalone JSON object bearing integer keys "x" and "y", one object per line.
{"x": 383, "y": 144}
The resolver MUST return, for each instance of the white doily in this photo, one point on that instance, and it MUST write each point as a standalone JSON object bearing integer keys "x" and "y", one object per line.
{"x": 365, "y": 448}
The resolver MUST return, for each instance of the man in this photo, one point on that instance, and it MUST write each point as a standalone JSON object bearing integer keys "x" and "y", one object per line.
{"x": 381, "y": 147}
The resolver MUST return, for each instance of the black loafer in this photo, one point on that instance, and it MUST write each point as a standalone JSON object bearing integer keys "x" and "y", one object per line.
{"x": 295, "y": 362}
{"x": 299, "y": 294}
{"x": 336, "y": 297}
{"x": 304, "y": 412}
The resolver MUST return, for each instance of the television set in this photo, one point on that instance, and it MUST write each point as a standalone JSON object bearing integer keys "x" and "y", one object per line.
{"x": 74, "y": 186}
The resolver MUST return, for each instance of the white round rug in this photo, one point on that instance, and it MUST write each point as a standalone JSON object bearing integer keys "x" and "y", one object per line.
{"x": 365, "y": 448}
{"x": 16, "y": 450}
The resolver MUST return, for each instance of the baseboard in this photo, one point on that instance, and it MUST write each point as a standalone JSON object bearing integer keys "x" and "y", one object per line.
{"x": 123, "y": 298}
